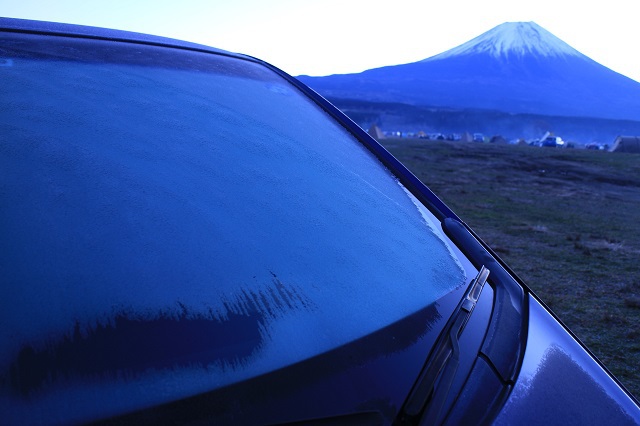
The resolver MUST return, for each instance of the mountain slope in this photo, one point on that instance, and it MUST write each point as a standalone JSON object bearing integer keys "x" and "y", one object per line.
{"x": 515, "y": 67}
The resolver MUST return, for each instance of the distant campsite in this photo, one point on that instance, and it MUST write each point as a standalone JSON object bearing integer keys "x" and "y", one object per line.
{"x": 621, "y": 144}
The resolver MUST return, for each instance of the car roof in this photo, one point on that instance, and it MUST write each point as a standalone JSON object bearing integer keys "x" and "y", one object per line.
{"x": 73, "y": 30}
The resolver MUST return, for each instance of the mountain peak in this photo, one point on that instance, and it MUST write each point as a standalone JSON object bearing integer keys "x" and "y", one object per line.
{"x": 513, "y": 38}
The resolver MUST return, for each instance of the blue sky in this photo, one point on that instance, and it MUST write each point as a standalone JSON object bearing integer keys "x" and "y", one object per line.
{"x": 320, "y": 37}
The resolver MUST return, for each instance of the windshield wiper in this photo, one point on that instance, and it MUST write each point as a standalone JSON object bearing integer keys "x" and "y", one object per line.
{"x": 425, "y": 404}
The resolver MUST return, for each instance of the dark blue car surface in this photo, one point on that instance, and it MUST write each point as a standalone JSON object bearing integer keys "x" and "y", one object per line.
{"x": 191, "y": 236}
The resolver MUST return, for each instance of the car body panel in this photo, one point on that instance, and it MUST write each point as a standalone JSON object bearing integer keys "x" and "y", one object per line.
{"x": 560, "y": 383}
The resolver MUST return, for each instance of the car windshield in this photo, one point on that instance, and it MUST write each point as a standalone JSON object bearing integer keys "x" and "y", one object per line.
{"x": 186, "y": 220}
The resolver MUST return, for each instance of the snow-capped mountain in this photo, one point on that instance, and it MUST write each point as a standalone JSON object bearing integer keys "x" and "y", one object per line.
{"x": 513, "y": 38}
{"x": 516, "y": 67}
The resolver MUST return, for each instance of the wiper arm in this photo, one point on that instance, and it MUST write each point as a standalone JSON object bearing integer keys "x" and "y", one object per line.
{"x": 424, "y": 404}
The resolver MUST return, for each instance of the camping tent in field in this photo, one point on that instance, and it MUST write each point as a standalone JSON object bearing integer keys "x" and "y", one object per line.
{"x": 626, "y": 144}
{"x": 498, "y": 139}
{"x": 466, "y": 137}
{"x": 375, "y": 132}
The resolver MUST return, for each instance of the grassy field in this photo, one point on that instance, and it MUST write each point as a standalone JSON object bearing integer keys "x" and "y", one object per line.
{"x": 566, "y": 220}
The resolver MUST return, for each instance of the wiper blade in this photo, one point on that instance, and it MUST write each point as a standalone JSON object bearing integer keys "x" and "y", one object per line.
{"x": 424, "y": 404}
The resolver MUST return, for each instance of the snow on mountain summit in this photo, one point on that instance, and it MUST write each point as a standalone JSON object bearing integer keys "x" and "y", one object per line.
{"x": 513, "y": 38}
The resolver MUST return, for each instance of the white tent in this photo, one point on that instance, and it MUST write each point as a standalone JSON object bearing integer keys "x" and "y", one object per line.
{"x": 375, "y": 132}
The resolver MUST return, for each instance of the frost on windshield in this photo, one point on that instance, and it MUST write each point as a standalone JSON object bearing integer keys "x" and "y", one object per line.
{"x": 188, "y": 230}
